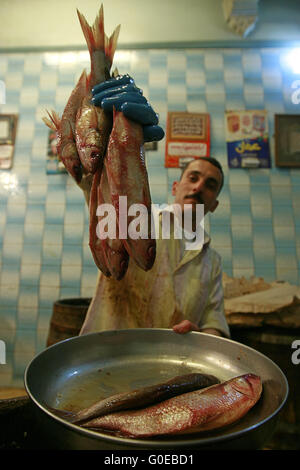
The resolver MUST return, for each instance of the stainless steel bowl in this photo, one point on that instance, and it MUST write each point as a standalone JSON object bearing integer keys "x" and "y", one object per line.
{"x": 81, "y": 370}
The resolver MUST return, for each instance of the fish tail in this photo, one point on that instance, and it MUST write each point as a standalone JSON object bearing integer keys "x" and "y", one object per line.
{"x": 96, "y": 38}
{"x": 53, "y": 122}
{"x": 115, "y": 72}
{"x": 94, "y": 35}
{"x": 111, "y": 44}
{"x": 64, "y": 414}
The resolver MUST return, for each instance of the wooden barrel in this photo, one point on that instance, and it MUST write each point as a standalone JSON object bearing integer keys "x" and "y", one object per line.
{"x": 276, "y": 343}
{"x": 67, "y": 319}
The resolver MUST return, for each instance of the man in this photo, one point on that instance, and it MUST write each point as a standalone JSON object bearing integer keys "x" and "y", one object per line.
{"x": 201, "y": 183}
{"x": 183, "y": 290}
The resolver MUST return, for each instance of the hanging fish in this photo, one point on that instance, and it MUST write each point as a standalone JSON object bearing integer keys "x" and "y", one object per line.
{"x": 127, "y": 176}
{"x": 93, "y": 125}
{"x": 65, "y": 129}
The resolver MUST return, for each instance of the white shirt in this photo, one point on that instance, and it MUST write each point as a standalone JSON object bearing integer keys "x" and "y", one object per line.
{"x": 182, "y": 284}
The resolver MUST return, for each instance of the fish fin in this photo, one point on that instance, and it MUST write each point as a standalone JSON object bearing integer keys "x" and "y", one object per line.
{"x": 83, "y": 81}
{"x": 76, "y": 97}
{"x": 111, "y": 44}
{"x": 54, "y": 120}
{"x": 69, "y": 416}
{"x": 94, "y": 35}
{"x": 88, "y": 82}
{"x": 95, "y": 244}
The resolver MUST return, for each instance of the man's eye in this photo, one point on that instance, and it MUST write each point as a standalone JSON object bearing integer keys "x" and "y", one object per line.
{"x": 211, "y": 185}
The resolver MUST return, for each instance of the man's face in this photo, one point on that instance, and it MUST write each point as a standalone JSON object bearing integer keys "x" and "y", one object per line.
{"x": 200, "y": 184}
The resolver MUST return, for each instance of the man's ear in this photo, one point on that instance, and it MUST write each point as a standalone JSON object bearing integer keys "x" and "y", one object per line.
{"x": 174, "y": 187}
{"x": 214, "y": 206}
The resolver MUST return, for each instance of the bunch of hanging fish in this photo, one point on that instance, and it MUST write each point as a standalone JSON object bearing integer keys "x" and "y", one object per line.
{"x": 185, "y": 404}
{"x": 109, "y": 149}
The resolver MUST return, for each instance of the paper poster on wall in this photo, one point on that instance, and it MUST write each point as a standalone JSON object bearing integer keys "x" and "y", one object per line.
{"x": 54, "y": 166}
{"x": 247, "y": 138}
{"x": 187, "y": 137}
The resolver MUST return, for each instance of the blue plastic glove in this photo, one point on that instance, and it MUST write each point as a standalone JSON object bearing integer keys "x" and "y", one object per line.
{"x": 122, "y": 93}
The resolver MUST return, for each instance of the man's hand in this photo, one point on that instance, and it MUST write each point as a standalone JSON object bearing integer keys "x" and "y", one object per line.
{"x": 122, "y": 94}
{"x": 186, "y": 326}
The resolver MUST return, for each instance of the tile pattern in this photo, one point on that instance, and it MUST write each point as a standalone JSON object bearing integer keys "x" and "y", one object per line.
{"x": 43, "y": 218}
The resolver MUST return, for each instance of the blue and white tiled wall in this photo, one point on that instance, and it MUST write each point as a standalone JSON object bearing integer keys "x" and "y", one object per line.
{"x": 43, "y": 219}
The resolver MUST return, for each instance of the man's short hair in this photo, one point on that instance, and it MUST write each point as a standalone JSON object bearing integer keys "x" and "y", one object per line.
{"x": 211, "y": 160}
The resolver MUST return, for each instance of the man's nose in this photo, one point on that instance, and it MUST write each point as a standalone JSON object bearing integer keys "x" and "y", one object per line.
{"x": 198, "y": 186}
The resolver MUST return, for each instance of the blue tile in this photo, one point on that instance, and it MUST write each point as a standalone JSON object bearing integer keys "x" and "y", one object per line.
{"x": 227, "y": 267}
{"x": 27, "y": 318}
{"x": 54, "y": 214}
{"x": 281, "y": 195}
{"x": 12, "y": 97}
{"x": 35, "y": 213}
{"x": 157, "y": 59}
{"x": 241, "y": 236}
{"x": 232, "y": 59}
{"x": 234, "y": 100}
{"x": 73, "y": 234}
{"x": 9, "y": 296}
{"x": 32, "y": 251}
{"x": 69, "y": 292}
{"x": 268, "y": 273}
{"x": 16, "y": 214}
{"x": 53, "y": 234}
{"x": 263, "y": 236}
{"x": 284, "y": 236}
{"x": 264, "y": 257}
{"x": 226, "y": 255}
{"x": 47, "y": 296}
{"x": 11, "y": 255}
{"x": 213, "y": 60}
{"x": 30, "y": 274}
{"x": 242, "y": 258}
{"x": 16, "y": 63}
{"x": 33, "y": 234}
{"x": 71, "y": 255}
{"x": 157, "y": 95}
{"x": 282, "y": 216}
{"x": 31, "y": 81}
{"x": 221, "y": 235}
{"x": 251, "y": 61}
{"x": 158, "y": 194}
{"x": 240, "y": 217}
{"x": 51, "y": 255}
{"x": 288, "y": 275}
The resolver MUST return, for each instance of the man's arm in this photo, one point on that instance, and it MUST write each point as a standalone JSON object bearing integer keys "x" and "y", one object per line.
{"x": 213, "y": 320}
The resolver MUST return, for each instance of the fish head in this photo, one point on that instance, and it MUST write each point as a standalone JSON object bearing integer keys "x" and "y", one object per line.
{"x": 117, "y": 258}
{"x": 91, "y": 151}
{"x": 69, "y": 156}
{"x": 249, "y": 385}
{"x": 148, "y": 260}
{"x": 143, "y": 253}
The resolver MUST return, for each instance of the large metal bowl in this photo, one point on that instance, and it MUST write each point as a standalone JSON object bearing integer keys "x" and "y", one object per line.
{"x": 81, "y": 370}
